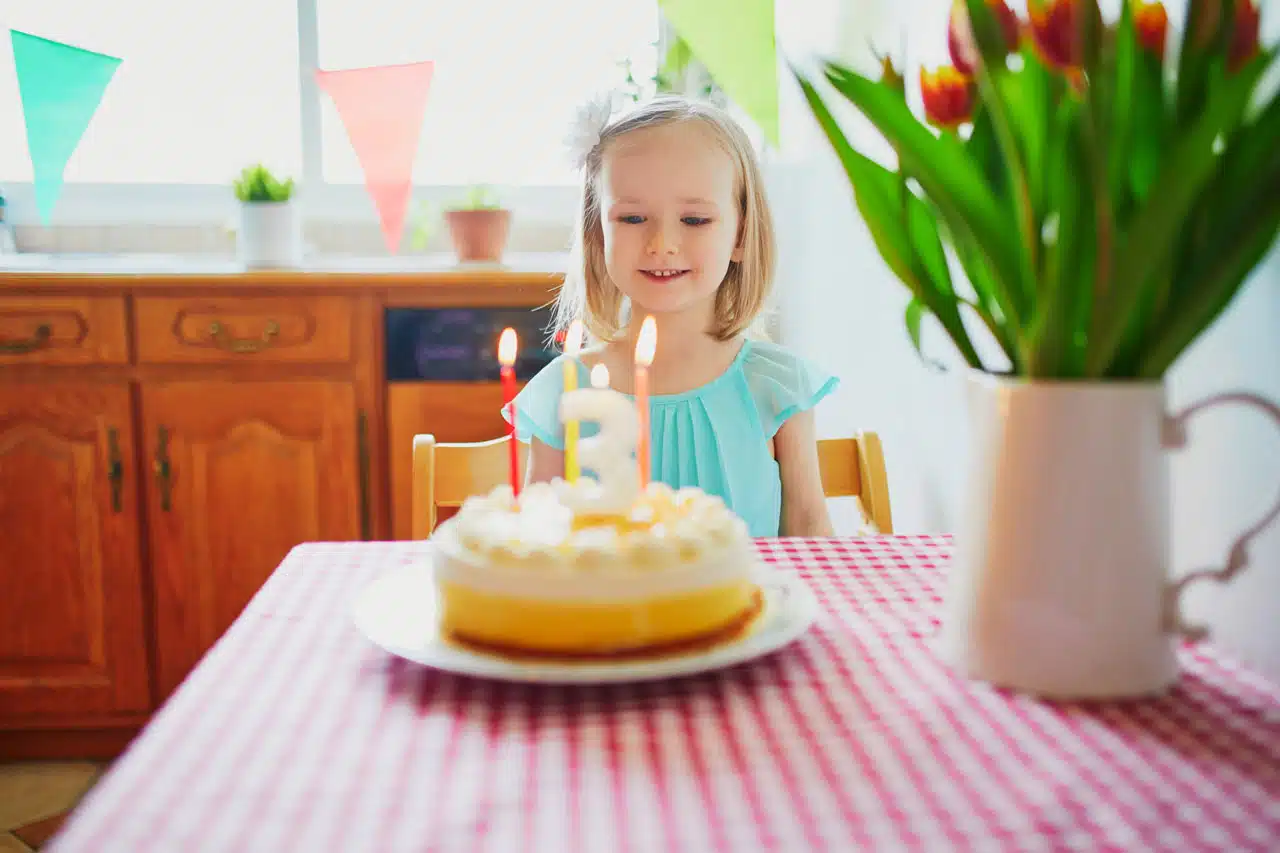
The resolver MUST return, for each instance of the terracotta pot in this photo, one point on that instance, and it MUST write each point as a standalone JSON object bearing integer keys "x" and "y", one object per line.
{"x": 479, "y": 235}
{"x": 1061, "y": 583}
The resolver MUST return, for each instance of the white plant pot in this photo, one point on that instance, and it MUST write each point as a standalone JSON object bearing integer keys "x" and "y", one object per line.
{"x": 269, "y": 234}
{"x": 1060, "y": 585}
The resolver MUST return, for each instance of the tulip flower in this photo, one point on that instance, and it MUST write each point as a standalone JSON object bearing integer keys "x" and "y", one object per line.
{"x": 1202, "y": 26}
{"x": 1151, "y": 24}
{"x": 1057, "y": 29}
{"x": 1102, "y": 205}
{"x": 1244, "y": 35}
{"x": 960, "y": 39}
{"x": 948, "y": 96}
{"x": 889, "y": 75}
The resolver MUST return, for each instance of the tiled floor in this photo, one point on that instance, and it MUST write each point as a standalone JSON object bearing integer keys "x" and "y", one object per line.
{"x": 36, "y": 797}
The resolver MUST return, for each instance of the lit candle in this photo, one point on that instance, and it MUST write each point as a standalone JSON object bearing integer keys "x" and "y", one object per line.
{"x": 572, "y": 346}
{"x": 646, "y": 344}
{"x": 608, "y": 452}
{"x": 507, "y": 345}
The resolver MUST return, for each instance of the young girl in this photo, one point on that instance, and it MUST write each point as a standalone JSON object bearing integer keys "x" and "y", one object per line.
{"x": 674, "y": 224}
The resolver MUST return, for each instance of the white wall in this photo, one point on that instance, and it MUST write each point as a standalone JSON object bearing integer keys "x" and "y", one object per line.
{"x": 1229, "y": 474}
{"x": 838, "y": 304}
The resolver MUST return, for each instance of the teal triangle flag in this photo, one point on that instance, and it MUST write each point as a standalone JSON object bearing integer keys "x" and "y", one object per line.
{"x": 61, "y": 87}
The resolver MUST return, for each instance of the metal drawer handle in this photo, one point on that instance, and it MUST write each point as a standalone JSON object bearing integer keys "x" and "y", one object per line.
{"x": 41, "y": 338}
{"x": 218, "y": 334}
{"x": 362, "y": 458}
{"x": 163, "y": 470}
{"x": 115, "y": 469}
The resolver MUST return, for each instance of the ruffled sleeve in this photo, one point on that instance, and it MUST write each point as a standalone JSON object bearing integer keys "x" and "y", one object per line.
{"x": 538, "y": 406}
{"x": 783, "y": 383}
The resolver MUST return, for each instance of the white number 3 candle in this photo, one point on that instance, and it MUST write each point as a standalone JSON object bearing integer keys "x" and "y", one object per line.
{"x": 610, "y": 452}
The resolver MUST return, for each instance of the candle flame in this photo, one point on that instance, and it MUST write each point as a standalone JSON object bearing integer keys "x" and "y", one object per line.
{"x": 646, "y": 342}
{"x": 599, "y": 376}
{"x": 573, "y": 339}
{"x": 507, "y": 347}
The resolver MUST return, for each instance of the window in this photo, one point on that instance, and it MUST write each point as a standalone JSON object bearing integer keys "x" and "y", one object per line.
{"x": 206, "y": 88}
{"x": 509, "y": 75}
{"x": 199, "y": 94}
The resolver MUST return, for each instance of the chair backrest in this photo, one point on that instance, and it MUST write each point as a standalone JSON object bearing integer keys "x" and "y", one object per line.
{"x": 445, "y": 475}
{"x": 854, "y": 467}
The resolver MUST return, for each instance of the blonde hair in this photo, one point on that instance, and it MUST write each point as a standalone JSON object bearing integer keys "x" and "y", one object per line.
{"x": 588, "y": 293}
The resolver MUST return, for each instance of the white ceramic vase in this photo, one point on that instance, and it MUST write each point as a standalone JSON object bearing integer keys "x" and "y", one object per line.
{"x": 269, "y": 234}
{"x": 1061, "y": 585}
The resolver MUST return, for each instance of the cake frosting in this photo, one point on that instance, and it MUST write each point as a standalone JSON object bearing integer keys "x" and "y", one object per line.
{"x": 547, "y": 572}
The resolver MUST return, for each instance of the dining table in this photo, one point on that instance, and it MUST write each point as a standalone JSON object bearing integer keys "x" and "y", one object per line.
{"x": 296, "y": 733}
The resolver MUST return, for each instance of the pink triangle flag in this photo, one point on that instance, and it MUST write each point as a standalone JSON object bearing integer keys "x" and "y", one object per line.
{"x": 382, "y": 108}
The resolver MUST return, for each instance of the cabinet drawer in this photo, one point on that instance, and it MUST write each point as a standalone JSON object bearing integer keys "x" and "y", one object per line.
{"x": 63, "y": 330}
{"x": 250, "y": 328}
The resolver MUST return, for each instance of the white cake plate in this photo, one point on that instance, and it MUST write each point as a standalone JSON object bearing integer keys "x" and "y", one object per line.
{"x": 397, "y": 612}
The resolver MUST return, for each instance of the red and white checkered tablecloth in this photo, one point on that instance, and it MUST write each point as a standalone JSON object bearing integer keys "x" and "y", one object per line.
{"x": 295, "y": 733}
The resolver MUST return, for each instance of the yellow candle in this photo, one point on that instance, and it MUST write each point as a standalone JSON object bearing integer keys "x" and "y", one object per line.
{"x": 572, "y": 346}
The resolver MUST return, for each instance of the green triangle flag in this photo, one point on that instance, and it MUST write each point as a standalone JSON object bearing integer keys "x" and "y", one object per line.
{"x": 61, "y": 87}
{"x": 736, "y": 40}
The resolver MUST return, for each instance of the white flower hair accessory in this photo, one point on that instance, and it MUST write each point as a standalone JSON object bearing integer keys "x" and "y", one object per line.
{"x": 588, "y": 124}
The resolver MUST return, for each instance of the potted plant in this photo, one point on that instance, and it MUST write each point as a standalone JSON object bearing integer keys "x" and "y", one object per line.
{"x": 1105, "y": 198}
{"x": 479, "y": 225}
{"x": 679, "y": 71}
{"x": 269, "y": 231}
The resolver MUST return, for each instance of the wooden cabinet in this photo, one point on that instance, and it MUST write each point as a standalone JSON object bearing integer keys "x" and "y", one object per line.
{"x": 165, "y": 441}
{"x": 240, "y": 473}
{"x": 71, "y": 596}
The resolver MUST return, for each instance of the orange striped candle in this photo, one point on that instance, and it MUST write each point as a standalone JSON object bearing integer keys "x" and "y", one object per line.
{"x": 646, "y": 345}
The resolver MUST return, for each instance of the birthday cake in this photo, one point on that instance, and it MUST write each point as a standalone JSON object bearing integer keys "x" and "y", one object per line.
{"x": 550, "y": 572}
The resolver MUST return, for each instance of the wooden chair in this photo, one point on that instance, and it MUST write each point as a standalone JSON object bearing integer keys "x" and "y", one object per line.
{"x": 854, "y": 467}
{"x": 445, "y": 475}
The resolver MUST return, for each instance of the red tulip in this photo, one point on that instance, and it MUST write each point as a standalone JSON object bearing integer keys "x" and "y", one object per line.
{"x": 1057, "y": 29}
{"x": 948, "y": 96}
{"x": 960, "y": 39}
{"x": 1244, "y": 35}
{"x": 1151, "y": 23}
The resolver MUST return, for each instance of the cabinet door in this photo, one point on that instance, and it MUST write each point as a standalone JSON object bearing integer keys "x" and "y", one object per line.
{"x": 240, "y": 474}
{"x": 72, "y": 632}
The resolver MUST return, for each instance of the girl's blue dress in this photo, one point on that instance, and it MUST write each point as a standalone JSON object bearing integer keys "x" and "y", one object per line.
{"x": 714, "y": 437}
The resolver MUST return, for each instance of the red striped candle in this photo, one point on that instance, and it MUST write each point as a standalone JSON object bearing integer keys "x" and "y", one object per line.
{"x": 507, "y": 346}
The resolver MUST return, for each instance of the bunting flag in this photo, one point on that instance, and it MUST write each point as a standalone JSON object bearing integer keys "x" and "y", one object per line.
{"x": 60, "y": 87}
{"x": 736, "y": 41}
{"x": 382, "y": 108}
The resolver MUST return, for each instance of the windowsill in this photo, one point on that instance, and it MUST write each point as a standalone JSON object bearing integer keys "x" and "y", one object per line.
{"x": 200, "y": 220}
{"x": 147, "y": 264}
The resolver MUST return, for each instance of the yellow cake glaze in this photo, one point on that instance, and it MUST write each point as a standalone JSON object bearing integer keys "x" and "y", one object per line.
{"x": 587, "y": 627}
{"x": 537, "y": 575}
